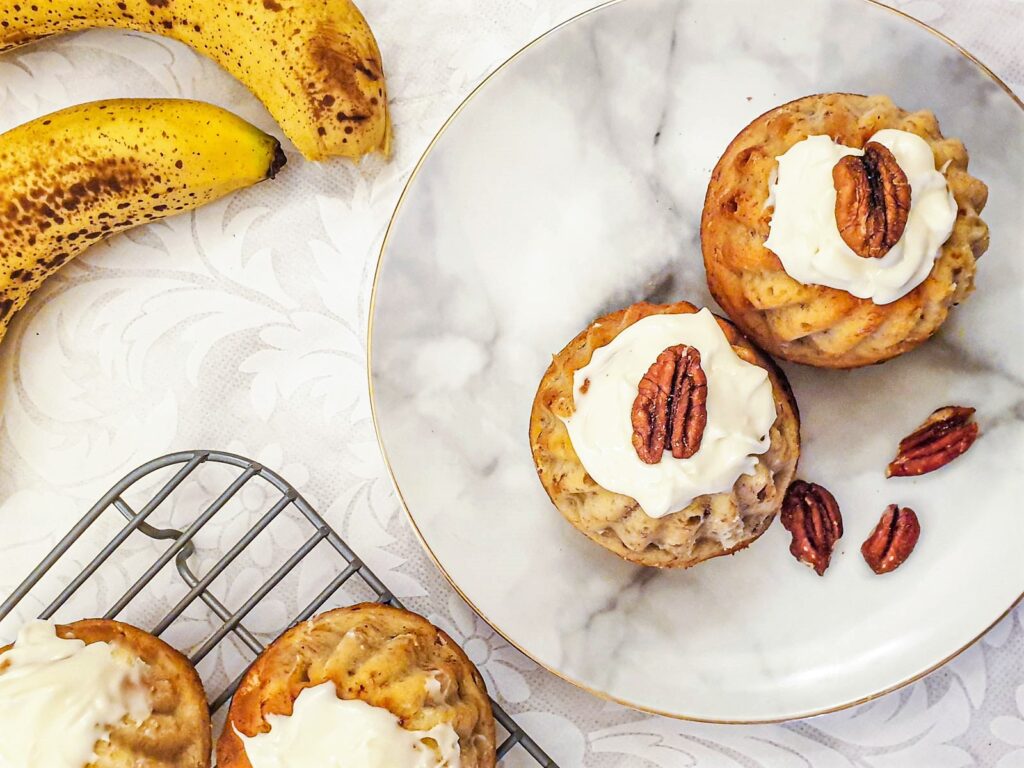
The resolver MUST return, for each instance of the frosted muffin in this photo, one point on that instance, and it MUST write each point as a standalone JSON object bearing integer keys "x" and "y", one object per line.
{"x": 839, "y": 230}
{"x": 665, "y": 436}
{"x": 100, "y": 694}
{"x": 378, "y": 685}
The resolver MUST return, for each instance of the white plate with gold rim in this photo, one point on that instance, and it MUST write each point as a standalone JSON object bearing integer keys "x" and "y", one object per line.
{"x": 570, "y": 184}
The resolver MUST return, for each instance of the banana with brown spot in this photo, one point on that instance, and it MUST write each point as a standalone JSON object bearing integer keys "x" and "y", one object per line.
{"x": 70, "y": 179}
{"x": 313, "y": 63}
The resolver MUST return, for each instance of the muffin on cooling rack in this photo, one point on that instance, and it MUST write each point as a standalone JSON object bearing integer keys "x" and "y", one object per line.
{"x": 370, "y": 681}
{"x": 839, "y": 230}
{"x": 665, "y": 436}
{"x": 101, "y": 694}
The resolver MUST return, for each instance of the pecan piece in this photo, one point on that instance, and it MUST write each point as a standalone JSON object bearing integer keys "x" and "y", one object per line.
{"x": 946, "y": 434}
{"x": 872, "y": 201}
{"x": 811, "y": 514}
{"x": 893, "y": 539}
{"x": 671, "y": 406}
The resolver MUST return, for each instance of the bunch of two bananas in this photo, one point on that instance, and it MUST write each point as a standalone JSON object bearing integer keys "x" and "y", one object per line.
{"x": 77, "y": 176}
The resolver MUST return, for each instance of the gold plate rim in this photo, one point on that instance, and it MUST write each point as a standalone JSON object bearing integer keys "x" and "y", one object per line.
{"x": 408, "y": 512}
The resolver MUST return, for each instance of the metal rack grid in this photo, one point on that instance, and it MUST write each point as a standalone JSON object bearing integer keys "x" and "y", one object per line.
{"x": 182, "y": 548}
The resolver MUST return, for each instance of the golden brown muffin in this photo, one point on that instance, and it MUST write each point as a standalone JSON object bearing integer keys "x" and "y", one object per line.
{"x": 814, "y": 324}
{"x": 381, "y": 655}
{"x": 177, "y": 733}
{"x": 712, "y": 525}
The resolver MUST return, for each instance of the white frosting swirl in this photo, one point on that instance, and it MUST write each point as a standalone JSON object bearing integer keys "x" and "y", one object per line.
{"x": 59, "y": 698}
{"x": 741, "y": 411}
{"x": 805, "y": 236}
{"x": 329, "y": 732}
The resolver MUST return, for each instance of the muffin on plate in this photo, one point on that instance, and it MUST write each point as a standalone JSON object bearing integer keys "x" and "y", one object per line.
{"x": 100, "y": 694}
{"x": 665, "y": 436}
{"x": 368, "y": 681}
{"x": 839, "y": 230}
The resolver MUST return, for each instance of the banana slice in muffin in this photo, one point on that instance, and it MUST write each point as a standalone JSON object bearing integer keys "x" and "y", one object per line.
{"x": 100, "y": 694}
{"x": 839, "y": 230}
{"x": 665, "y": 436}
{"x": 367, "y": 685}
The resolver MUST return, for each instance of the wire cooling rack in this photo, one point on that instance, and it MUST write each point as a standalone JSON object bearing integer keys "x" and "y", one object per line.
{"x": 223, "y": 619}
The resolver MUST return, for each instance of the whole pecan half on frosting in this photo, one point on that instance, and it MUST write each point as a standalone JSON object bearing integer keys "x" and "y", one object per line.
{"x": 671, "y": 406}
{"x": 812, "y": 515}
{"x": 893, "y": 539}
{"x": 872, "y": 201}
{"x": 948, "y": 433}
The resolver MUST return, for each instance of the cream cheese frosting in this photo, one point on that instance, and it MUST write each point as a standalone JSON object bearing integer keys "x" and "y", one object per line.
{"x": 805, "y": 236}
{"x": 740, "y": 405}
{"x": 329, "y": 732}
{"x": 59, "y": 698}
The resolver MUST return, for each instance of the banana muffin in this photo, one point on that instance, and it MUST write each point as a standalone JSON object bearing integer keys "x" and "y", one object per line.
{"x": 665, "y": 436}
{"x": 370, "y": 681}
{"x": 839, "y": 230}
{"x": 100, "y": 694}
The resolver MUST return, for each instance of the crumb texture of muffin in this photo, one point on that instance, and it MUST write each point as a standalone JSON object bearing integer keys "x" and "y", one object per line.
{"x": 177, "y": 732}
{"x": 711, "y": 525}
{"x": 383, "y": 656}
{"x": 814, "y": 324}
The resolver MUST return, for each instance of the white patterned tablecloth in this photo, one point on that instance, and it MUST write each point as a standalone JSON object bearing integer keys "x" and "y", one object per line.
{"x": 242, "y": 327}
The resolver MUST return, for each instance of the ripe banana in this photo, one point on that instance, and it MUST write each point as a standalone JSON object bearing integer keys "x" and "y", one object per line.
{"x": 313, "y": 63}
{"x": 70, "y": 179}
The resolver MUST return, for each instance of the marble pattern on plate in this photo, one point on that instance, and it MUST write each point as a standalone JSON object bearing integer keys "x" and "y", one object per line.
{"x": 572, "y": 185}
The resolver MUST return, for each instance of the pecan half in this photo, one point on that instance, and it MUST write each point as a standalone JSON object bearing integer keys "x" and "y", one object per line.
{"x": 893, "y": 539}
{"x": 946, "y": 434}
{"x": 872, "y": 201}
{"x": 671, "y": 406}
{"x": 811, "y": 514}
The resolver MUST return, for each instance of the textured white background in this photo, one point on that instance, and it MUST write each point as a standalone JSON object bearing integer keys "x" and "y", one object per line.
{"x": 243, "y": 327}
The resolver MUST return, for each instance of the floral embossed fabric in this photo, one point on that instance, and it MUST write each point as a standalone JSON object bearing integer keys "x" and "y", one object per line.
{"x": 242, "y": 327}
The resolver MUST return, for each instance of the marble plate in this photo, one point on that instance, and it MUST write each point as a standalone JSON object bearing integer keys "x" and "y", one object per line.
{"x": 570, "y": 184}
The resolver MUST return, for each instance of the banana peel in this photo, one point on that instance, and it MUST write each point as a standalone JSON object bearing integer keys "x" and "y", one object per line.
{"x": 75, "y": 177}
{"x": 314, "y": 64}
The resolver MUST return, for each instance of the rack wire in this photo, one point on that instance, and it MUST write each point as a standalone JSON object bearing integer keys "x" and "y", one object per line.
{"x": 181, "y": 549}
